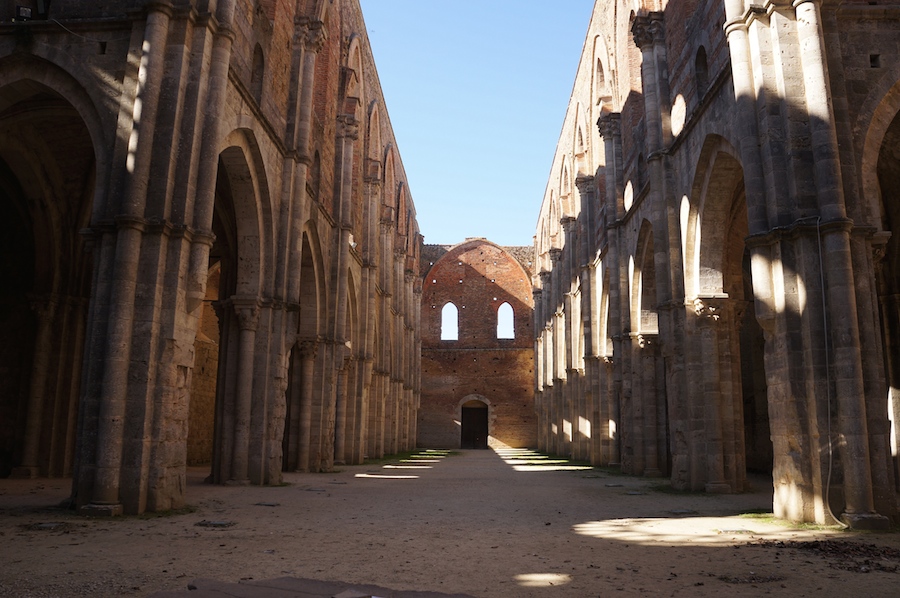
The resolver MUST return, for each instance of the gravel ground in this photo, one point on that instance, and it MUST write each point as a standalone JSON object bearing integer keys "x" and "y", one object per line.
{"x": 485, "y": 523}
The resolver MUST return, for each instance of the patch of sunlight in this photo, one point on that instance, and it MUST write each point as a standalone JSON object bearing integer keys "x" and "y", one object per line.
{"x": 513, "y": 451}
{"x": 675, "y": 531}
{"x": 407, "y": 467}
{"x": 584, "y": 426}
{"x": 530, "y": 460}
{"x": 552, "y": 467}
{"x": 378, "y": 476}
{"x": 542, "y": 580}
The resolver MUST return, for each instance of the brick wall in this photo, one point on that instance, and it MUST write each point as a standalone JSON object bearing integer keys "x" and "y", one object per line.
{"x": 477, "y": 277}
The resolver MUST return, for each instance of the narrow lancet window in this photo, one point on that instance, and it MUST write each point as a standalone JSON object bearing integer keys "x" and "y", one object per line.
{"x": 505, "y": 328}
{"x": 449, "y": 322}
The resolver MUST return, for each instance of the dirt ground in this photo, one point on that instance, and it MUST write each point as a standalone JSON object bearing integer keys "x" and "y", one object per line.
{"x": 479, "y": 522}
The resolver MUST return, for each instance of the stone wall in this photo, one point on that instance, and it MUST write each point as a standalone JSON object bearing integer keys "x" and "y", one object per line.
{"x": 707, "y": 267}
{"x": 220, "y": 232}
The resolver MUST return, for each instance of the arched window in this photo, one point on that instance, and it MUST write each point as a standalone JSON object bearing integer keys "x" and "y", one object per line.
{"x": 600, "y": 79}
{"x": 256, "y": 74}
{"x": 701, "y": 72}
{"x": 449, "y": 322}
{"x": 505, "y": 328}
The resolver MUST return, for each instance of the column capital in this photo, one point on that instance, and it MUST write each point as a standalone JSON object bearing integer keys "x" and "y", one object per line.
{"x": 584, "y": 183}
{"x": 610, "y": 125}
{"x": 879, "y": 245}
{"x": 347, "y": 127}
{"x": 308, "y": 348}
{"x": 555, "y": 253}
{"x": 247, "y": 311}
{"x": 648, "y": 30}
{"x": 313, "y": 35}
{"x": 710, "y": 307}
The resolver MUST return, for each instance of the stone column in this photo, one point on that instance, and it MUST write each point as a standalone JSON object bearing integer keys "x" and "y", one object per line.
{"x": 199, "y": 209}
{"x": 709, "y": 312}
{"x": 247, "y": 311}
{"x": 590, "y": 390}
{"x": 341, "y": 409}
{"x": 609, "y": 125}
{"x": 308, "y": 350}
{"x": 649, "y": 345}
{"x": 746, "y": 126}
{"x": 310, "y": 36}
{"x": 44, "y": 308}
{"x": 105, "y": 499}
{"x": 849, "y": 386}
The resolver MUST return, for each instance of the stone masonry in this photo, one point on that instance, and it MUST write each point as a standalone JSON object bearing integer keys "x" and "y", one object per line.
{"x": 208, "y": 247}
{"x": 716, "y": 277}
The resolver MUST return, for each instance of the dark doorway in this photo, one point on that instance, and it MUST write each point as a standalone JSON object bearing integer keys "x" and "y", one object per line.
{"x": 474, "y": 425}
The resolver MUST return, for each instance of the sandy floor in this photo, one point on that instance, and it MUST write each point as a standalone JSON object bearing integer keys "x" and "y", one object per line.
{"x": 471, "y": 522}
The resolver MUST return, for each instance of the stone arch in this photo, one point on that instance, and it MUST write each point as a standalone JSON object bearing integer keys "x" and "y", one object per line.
{"x": 643, "y": 283}
{"x": 374, "y": 147}
{"x": 718, "y": 174}
{"x": 315, "y": 266}
{"x": 354, "y": 92}
{"x": 303, "y": 383}
{"x": 555, "y": 213}
{"x": 23, "y": 76}
{"x": 718, "y": 277}
{"x": 49, "y": 173}
{"x": 877, "y": 114}
{"x": 603, "y": 84}
{"x": 881, "y": 178}
{"x": 374, "y": 151}
{"x": 582, "y": 144}
{"x": 566, "y": 186}
{"x": 242, "y": 225}
{"x": 605, "y": 322}
{"x": 242, "y": 175}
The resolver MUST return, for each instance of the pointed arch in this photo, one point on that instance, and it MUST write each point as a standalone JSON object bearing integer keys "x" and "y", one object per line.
{"x": 242, "y": 182}
{"x": 582, "y": 144}
{"x": 354, "y": 92}
{"x": 644, "y": 282}
{"x": 314, "y": 285}
{"x": 718, "y": 175}
{"x": 48, "y": 191}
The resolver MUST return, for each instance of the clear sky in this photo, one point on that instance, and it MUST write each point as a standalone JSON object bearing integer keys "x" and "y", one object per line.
{"x": 477, "y": 92}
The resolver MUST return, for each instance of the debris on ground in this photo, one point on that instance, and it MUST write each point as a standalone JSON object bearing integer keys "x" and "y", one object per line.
{"x": 845, "y": 555}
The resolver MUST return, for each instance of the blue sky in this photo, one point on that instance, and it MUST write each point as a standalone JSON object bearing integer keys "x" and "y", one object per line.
{"x": 477, "y": 91}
